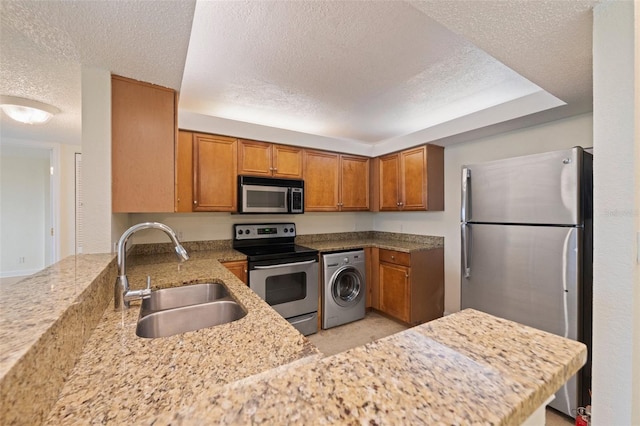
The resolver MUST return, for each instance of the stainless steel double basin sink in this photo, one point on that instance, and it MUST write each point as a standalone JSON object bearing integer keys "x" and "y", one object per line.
{"x": 187, "y": 308}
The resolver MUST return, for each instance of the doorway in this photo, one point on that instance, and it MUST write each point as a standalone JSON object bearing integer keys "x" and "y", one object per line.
{"x": 28, "y": 200}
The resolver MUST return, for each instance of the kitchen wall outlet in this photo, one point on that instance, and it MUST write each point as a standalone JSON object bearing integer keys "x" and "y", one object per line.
{"x": 179, "y": 234}
{"x": 21, "y": 259}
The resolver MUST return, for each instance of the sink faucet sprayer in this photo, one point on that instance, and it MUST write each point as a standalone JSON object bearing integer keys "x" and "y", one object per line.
{"x": 122, "y": 294}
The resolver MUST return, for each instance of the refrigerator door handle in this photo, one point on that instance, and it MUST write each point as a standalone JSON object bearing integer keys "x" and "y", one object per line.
{"x": 466, "y": 250}
{"x": 464, "y": 210}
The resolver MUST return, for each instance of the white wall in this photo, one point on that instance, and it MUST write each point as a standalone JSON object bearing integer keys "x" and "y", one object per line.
{"x": 24, "y": 185}
{"x": 635, "y": 375}
{"x": 67, "y": 201}
{"x": 96, "y": 160}
{"x": 561, "y": 134}
{"x": 616, "y": 305}
{"x": 61, "y": 186}
{"x": 217, "y": 226}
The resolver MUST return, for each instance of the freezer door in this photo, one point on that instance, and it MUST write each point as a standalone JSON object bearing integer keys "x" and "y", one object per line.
{"x": 527, "y": 274}
{"x": 537, "y": 189}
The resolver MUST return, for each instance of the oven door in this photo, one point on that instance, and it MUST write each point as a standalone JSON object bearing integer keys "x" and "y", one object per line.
{"x": 290, "y": 288}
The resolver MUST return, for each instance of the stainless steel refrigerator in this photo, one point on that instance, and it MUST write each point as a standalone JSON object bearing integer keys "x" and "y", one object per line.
{"x": 527, "y": 248}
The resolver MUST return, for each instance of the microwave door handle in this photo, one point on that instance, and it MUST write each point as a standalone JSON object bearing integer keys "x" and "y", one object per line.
{"x": 282, "y": 265}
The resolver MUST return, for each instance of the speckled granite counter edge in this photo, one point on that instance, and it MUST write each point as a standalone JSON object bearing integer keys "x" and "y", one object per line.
{"x": 467, "y": 368}
{"x": 26, "y": 397}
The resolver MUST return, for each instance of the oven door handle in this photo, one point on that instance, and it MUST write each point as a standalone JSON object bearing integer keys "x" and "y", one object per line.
{"x": 308, "y": 262}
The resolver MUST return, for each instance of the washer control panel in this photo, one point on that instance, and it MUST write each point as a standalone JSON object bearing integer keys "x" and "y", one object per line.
{"x": 332, "y": 260}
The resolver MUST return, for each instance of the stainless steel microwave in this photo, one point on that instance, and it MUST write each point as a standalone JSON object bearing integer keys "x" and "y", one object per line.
{"x": 270, "y": 195}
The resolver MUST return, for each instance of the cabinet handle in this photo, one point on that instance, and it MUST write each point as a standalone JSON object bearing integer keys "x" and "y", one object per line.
{"x": 406, "y": 275}
{"x": 401, "y": 204}
{"x": 393, "y": 257}
{"x": 195, "y": 202}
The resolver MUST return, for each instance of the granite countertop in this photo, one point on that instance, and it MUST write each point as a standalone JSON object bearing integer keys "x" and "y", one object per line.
{"x": 122, "y": 378}
{"x": 466, "y": 367}
{"x": 385, "y": 240}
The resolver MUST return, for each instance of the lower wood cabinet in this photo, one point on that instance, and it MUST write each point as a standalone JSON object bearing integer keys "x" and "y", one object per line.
{"x": 238, "y": 268}
{"x": 410, "y": 286}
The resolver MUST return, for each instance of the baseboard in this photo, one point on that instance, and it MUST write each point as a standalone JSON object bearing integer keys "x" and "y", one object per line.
{"x": 20, "y": 273}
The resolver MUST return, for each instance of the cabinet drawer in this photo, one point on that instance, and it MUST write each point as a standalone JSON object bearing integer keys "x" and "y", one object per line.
{"x": 397, "y": 257}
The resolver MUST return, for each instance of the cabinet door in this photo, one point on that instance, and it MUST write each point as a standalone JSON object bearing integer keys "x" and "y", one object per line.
{"x": 238, "y": 268}
{"x": 287, "y": 161}
{"x": 354, "y": 183}
{"x": 142, "y": 147}
{"x": 184, "y": 172}
{"x": 413, "y": 179}
{"x": 321, "y": 180}
{"x": 215, "y": 166}
{"x": 388, "y": 179}
{"x": 254, "y": 158}
{"x": 394, "y": 291}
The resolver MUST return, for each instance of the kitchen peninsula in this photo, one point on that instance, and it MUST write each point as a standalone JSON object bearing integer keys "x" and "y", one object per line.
{"x": 466, "y": 367}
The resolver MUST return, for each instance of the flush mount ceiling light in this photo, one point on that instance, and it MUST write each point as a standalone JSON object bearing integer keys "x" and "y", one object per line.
{"x": 27, "y": 110}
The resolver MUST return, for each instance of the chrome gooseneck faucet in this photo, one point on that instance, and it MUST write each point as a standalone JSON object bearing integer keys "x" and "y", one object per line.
{"x": 122, "y": 294}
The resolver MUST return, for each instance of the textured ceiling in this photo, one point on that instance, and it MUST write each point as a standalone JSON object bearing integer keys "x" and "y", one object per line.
{"x": 374, "y": 72}
{"x": 347, "y": 70}
{"x": 44, "y": 44}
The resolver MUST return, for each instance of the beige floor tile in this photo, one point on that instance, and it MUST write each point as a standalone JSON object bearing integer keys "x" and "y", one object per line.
{"x": 339, "y": 339}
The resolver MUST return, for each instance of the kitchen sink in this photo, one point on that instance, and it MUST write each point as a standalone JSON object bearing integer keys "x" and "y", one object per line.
{"x": 188, "y": 318}
{"x": 176, "y": 297}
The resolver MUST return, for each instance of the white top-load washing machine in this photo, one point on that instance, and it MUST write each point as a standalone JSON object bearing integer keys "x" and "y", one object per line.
{"x": 343, "y": 293}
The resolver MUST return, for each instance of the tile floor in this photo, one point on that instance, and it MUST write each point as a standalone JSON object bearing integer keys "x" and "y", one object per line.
{"x": 375, "y": 326}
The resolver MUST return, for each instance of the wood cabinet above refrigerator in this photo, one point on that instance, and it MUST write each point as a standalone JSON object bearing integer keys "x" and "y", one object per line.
{"x": 409, "y": 180}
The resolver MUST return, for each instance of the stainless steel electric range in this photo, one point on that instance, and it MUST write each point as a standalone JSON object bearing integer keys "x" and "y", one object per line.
{"x": 281, "y": 272}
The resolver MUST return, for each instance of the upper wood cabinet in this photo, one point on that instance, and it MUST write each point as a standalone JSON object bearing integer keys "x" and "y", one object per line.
{"x": 335, "y": 182}
{"x": 214, "y": 173}
{"x": 184, "y": 172}
{"x": 321, "y": 180}
{"x": 411, "y": 180}
{"x": 143, "y": 132}
{"x": 354, "y": 183}
{"x": 266, "y": 159}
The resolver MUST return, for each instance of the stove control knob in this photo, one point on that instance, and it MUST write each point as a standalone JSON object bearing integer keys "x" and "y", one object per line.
{"x": 286, "y": 230}
{"x": 247, "y": 231}
{"x": 239, "y": 231}
{"x": 290, "y": 229}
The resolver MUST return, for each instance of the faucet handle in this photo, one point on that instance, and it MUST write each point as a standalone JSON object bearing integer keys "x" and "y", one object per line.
{"x": 147, "y": 291}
